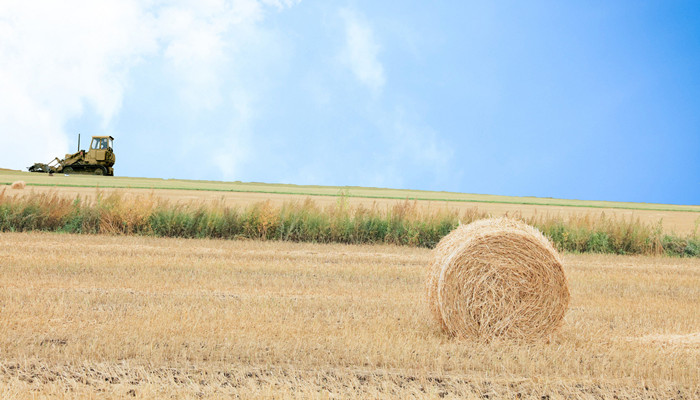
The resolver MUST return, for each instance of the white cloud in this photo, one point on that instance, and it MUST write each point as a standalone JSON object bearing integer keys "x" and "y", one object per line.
{"x": 412, "y": 150}
{"x": 232, "y": 151}
{"x": 418, "y": 144}
{"x": 199, "y": 38}
{"x": 56, "y": 58}
{"x": 361, "y": 51}
{"x": 281, "y": 4}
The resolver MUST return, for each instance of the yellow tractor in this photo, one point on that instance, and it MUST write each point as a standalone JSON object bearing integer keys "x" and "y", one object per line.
{"x": 98, "y": 160}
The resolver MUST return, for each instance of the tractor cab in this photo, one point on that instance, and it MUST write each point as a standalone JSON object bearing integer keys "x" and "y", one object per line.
{"x": 101, "y": 143}
{"x": 101, "y": 154}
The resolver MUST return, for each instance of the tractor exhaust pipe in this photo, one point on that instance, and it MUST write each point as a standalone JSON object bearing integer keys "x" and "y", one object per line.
{"x": 78, "y": 142}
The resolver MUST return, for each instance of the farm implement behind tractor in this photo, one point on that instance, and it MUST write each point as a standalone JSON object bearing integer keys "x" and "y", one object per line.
{"x": 98, "y": 160}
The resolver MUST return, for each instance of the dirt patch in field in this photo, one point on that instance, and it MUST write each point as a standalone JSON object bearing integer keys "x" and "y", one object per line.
{"x": 689, "y": 340}
{"x": 125, "y": 381}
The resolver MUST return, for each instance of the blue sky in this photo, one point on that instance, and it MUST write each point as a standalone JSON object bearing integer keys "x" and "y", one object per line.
{"x": 585, "y": 100}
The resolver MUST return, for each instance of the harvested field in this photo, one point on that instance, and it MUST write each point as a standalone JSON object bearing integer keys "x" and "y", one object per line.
{"x": 117, "y": 316}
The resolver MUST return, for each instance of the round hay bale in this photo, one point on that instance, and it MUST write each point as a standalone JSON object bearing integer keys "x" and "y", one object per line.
{"x": 497, "y": 278}
{"x": 18, "y": 185}
{"x": 444, "y": 248}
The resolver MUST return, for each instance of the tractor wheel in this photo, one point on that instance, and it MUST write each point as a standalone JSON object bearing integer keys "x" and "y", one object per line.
{"x": 68, "y": 170}
{"x": 99, "y": 171}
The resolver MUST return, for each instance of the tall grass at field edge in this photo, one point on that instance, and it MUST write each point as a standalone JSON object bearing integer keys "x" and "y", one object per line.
{"x": 405, "y": 223}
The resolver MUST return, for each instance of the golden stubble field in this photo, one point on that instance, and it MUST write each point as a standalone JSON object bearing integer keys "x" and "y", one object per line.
{"x": 115, "y": 317}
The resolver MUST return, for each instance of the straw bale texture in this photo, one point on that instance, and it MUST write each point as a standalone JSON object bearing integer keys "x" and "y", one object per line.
{"x": 497, "y": 278}
{"x": 18, "y": 185}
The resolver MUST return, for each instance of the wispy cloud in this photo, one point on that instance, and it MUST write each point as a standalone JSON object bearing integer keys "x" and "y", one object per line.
{"x": 281, "y": 4}
{"x": 234, "y": 151}
{"x": 55, "y": 63}
{"x": 361, "y": 51}
{"x": 411, "y": 150}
